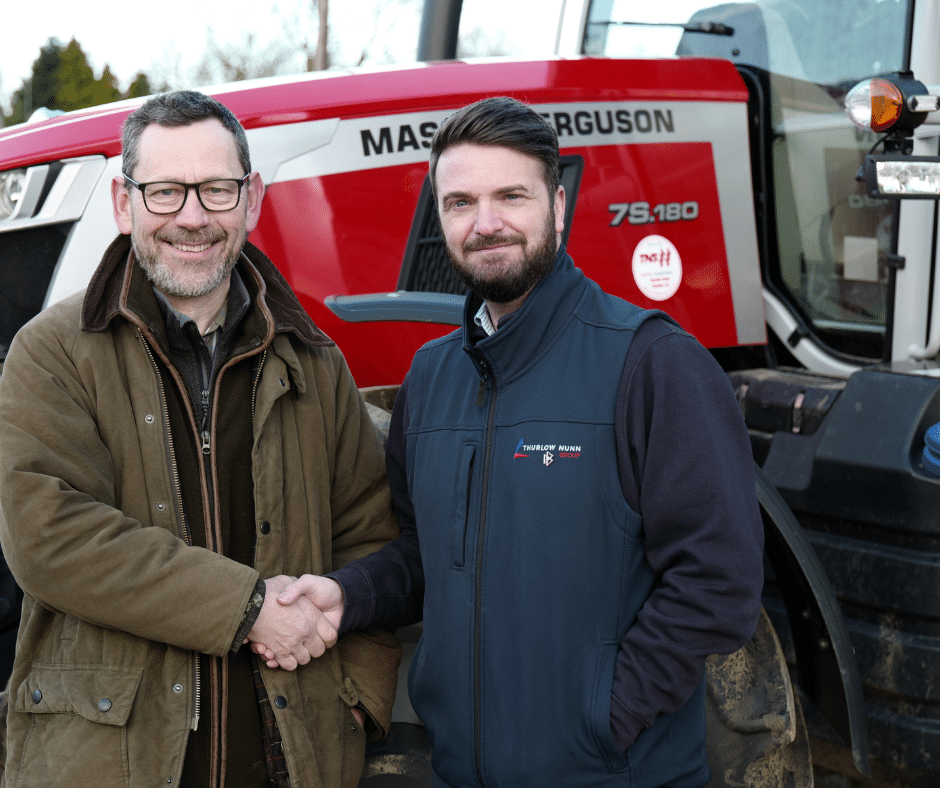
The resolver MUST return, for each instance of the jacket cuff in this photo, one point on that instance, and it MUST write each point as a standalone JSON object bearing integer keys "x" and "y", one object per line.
{"x": 358, "y": 598}
{"x": 252, "y": 612}
{"x": 624, "y": 725}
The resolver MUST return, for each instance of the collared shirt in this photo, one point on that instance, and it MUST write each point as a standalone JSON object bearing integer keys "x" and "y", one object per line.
{"x": 211, "y": 335}
{"x": 483, "y": 320}
{"x": 194, "y": 354}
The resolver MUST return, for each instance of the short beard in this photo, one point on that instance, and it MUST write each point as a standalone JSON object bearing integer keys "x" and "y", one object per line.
{"x": 167, "y": 283}
{"x": 537, "y": 263}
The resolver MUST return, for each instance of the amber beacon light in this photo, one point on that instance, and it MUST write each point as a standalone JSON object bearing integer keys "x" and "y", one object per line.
{"x": 897, "y": 103}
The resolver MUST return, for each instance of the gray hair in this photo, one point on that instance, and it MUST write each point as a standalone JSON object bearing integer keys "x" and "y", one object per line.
{"x": 179, "y": 108}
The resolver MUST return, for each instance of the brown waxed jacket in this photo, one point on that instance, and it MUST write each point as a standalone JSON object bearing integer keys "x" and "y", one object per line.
{"x": 116, "y": 603}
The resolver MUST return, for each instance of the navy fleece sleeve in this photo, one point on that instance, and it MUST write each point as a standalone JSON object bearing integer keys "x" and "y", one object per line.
{"x": 386, "y": 589}
{"x": 685, "y": 465}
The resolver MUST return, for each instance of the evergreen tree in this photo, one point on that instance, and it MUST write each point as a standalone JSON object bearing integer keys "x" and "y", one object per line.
{"x": 139, "y": 87}
{"x": 76, "y": 83}
{"x": 39, "y": 90}
{"x": 62, "y": 79}
{"x": 106, "y": 88}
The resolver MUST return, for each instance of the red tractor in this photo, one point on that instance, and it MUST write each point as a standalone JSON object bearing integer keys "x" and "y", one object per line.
{"x": 725, "y": 186}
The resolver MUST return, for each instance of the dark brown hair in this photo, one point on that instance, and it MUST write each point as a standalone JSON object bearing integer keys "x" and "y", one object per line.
{"x": 500, "y": 121}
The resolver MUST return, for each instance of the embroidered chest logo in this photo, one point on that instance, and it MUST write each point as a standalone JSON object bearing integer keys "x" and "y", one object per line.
{"x": 549, "y": 452}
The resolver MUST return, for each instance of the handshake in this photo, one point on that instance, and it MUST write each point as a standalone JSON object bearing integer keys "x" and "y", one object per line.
{"x": 299, "y": 620}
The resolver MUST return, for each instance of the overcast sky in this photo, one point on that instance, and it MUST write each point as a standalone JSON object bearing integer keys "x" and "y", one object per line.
{"x": 169, "y": 37}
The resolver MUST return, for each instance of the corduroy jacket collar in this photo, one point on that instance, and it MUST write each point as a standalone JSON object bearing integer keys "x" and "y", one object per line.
{"x": 107, "y": 293}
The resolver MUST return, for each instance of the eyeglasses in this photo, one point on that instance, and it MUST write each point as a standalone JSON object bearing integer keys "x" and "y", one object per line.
{"x": 164, "y": 197}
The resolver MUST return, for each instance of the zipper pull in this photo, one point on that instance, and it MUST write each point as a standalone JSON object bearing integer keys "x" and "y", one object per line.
{"x": 205, "y": 442}
{"x": 481, "y": 391}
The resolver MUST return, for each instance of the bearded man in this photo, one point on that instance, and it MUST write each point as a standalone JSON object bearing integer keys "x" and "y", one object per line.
{"x": 177, "y": 443}
{"x": 574, "y": 481}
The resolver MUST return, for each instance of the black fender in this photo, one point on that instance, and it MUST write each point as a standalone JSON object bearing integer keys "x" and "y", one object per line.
{"x": 827, "y": 669}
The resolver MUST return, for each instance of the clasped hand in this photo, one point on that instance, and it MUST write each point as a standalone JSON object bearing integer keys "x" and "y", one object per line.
{"x": 299, "y": 620}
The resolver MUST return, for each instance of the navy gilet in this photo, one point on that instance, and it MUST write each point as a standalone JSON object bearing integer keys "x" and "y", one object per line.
{"x": 534, "y": 562}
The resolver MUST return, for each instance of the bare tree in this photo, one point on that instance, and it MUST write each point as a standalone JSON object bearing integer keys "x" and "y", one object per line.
{"x": 483, "y": 43}
{"x": 244, "y": 58}
{"x": 166, "y": 69}
{"x": 388, "y": 19}
{"x": 298, "y": 47}
{"x": 358, "y": 42}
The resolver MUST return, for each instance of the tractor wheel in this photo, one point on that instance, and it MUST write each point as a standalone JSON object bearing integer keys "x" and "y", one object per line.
{"x": 401, "y": 760}
{"x": 756, "y": 733}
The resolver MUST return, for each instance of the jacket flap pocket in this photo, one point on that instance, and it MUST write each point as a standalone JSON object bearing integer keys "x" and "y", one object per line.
{"x": 99, "y": 694}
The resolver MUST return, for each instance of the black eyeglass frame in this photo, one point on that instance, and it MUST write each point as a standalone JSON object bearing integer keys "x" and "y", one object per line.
{"x": 186, "y": 187}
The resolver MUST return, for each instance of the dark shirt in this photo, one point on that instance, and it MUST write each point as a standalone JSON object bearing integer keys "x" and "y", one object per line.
{"x": 233, "y": 698}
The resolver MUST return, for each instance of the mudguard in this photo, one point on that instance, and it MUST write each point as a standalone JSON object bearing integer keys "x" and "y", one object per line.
{"x": 826, "y": 665}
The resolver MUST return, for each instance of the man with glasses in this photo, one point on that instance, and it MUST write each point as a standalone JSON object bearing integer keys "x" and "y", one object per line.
{"x": 176, "y": 443}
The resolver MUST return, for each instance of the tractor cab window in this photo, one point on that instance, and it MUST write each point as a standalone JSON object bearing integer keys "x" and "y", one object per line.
{"x": 824, "y": 242}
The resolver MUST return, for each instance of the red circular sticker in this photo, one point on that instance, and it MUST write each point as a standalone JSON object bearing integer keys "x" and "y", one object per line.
{"x": 657, "y": 267}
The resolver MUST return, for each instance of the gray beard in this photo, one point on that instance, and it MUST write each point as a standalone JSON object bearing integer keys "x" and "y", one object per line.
{"x": 164, "y": 280}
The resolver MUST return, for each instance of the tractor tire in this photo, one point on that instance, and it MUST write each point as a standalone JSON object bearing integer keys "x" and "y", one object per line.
{"x": 401, "y": 760}
{"x": 756, "y": 735}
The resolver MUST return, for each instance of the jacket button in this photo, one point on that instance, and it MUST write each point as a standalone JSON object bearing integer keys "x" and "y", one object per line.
{"x": 177, "y": 688}
{"x": 281, "y": 702}
{"x": 265, "y": 527}
{"x": 104, "y": 705}
{"x": 37, "y": 696}
{"x": 160, "y": 506}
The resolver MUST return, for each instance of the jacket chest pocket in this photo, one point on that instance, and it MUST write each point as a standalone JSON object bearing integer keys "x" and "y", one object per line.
{"x": 444, "y": 487}
{"x": 462, "y": 498}
{"x": 78, "y": 728}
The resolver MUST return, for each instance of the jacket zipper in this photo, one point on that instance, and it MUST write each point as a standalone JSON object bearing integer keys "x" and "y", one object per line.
{"x": 206, "y": 366}
{"x": 217, "y": 776}
{"x": 210, "y": 380}
{"x": 254, "y": 388}
{"x": 206, "y": 438}
{"x": 181, "y": 514}
{"x": 205, "y": 435}
{"x": 478, "y": 580}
